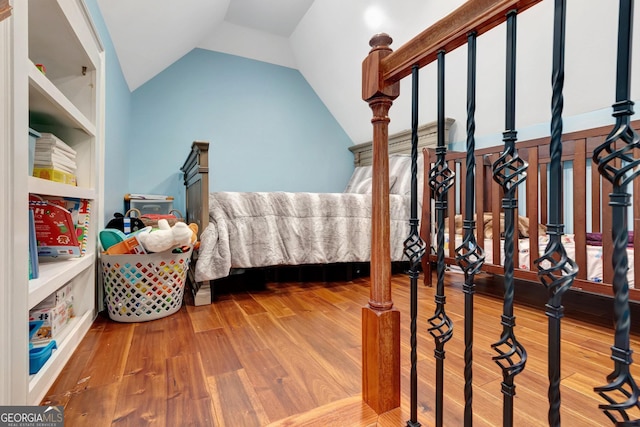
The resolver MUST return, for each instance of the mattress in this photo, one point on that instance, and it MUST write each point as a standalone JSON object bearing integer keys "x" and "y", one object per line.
{"x": 594, "y": 254}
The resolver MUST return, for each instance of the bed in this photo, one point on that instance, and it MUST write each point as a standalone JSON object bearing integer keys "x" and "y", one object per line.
{"x": 587, "y": 241}
{"x": 239, "y": 231}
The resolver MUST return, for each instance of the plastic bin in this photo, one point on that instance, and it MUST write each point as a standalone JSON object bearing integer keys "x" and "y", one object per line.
{"x": 33, "y": 135}
{"x": 38, "y": 356}
{"x": 34, "y": 326}
{"x": 144, "y": 287}
{"x": 149, "y": 204}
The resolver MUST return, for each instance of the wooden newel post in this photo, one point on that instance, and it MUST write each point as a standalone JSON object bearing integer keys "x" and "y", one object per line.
{"x": 380, "y": 321}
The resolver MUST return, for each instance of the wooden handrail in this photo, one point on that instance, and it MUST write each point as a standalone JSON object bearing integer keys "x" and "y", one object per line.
{"x": 5, "y": 9}
{"x": 448, "y": 34}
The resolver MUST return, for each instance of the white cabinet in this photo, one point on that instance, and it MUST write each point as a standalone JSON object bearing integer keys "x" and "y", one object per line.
{"x": 67, "y": 101}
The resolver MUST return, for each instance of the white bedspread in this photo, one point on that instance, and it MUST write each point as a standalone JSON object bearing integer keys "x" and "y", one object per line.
{"x": 278, "y": 228}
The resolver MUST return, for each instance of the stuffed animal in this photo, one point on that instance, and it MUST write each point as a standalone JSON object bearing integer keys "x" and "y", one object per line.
{"x": 166, "y": 237}
{"x": 194, "y": 227}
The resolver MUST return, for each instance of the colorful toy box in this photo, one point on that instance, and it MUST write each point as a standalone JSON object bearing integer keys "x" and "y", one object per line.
{"x": 54, "y": 313}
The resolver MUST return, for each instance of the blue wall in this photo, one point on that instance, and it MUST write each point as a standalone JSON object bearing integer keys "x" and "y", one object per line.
{"x": 117, "y": 123}
{"x": 268, "y": 130}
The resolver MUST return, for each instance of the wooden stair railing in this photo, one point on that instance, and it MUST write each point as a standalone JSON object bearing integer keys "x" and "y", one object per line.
{"x": 382, "y": 71}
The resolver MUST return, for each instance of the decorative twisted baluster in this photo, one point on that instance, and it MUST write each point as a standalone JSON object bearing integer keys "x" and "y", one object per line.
{"x": 556, "y": 270}
{"x": 440, "y": 180}
{"x": 469, "y": 255}
{"x": 509, "y": 171}
{"x": 616, "y": 163}
{"x": 414, "y": 249}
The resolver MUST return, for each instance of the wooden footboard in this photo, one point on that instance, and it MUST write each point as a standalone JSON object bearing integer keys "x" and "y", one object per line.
{"x": 590, "y": 210}
{"x": 196, "y": 181}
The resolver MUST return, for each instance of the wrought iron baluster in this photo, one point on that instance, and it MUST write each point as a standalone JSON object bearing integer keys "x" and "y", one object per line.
{"x": 414, "y": 249}
{"x": 509, "y": 171}
{"x": 440, "y": 180}
{"x": 616, "y": 163}
{"x": 556, "y": 270}
{"x": 469, "y": 255}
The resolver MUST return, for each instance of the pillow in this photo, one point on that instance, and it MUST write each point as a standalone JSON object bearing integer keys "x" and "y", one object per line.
{"x": 400, "y": 167}
{"x": 523, "y": 225}
{"x": 364, "y": 186}
{"x": 359, "y": 174}
{"x": 361, "y": 180}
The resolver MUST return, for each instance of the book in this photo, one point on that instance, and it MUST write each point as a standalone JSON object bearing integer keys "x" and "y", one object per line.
{"x": 80, "y": 210}
{"x": 54, "y": 165}
{"x": 55, "y": 157}
{"x": 33, "y": 248}
{"x": 46, "y": 149}
{"x": 51, "y": 156}
{"x": 50, "y": 140}
{"x": 55, "y": 230}
{"x": 82, "y": 225}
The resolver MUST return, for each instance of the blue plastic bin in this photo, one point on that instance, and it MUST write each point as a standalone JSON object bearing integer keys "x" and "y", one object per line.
{"x": 34, "y": 325}
{"x": 38, "y": 356}
{"x": 33, "y": 135}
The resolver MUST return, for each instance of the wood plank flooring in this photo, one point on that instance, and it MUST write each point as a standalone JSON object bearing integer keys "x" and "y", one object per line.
{"x": 289, "y": 354}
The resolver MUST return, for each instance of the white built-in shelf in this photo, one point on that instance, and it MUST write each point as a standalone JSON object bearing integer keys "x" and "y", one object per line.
{"x": 54, "y": 274}
{"x": 49, "y": 102}
{"x": 61, "y": 37}
{"x": 53, "y": 188}
{"x": 68, "y": 340}
{"x": 67, "y": 100}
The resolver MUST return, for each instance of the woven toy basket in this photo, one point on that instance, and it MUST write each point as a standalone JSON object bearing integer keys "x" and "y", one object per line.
{"x": 144, "y": 287}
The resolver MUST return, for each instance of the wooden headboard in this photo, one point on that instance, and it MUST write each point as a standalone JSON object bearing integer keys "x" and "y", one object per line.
{"x": 196, "y": 182}
{"x": 401, "y": 142}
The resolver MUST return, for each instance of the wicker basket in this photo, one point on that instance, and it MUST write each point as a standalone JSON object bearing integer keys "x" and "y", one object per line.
{"x": 144, "y": 287}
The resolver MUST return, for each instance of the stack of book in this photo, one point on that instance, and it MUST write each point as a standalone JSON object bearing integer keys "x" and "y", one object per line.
{"x": 54, "y": 160}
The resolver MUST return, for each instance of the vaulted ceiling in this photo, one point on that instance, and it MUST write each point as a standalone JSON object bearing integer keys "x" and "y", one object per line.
{"x": 326, "y": 40}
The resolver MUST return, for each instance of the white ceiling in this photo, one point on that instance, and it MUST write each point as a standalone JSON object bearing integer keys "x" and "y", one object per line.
{"x": 149, "y": 35}
{"x": 326, "y": 40}
{"x": 278, "y": 17}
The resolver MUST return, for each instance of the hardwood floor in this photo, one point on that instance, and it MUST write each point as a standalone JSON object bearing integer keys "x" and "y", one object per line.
{"x": 288, "y": 354}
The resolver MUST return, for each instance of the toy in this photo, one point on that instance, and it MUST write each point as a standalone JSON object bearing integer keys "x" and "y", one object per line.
{"x": 166, "y": 237}
{"x": 110, "y": 237}
{"x": 131, "y": 245}
{"x": 194, "y": 228}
